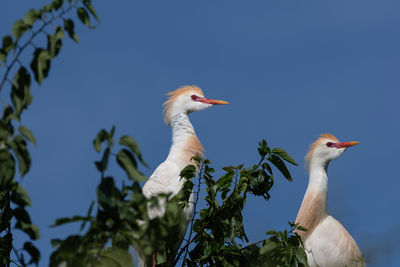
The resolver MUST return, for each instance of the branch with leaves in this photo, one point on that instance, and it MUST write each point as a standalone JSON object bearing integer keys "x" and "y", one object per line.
{"x": 27, "y": 34}
{"x": 219, "y": 233}
{"x": 216, "y": 235}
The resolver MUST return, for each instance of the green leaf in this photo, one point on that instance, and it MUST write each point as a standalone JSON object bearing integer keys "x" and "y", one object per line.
{"x": 271, "y": 232}
{"x": 89, "y": 7}
{"x": 126, "y": 160}
{"x": 6, "y": 213}
{"x": 19, "y": 28}
{"x": 61, "y": 221}
{"x": 8, "y": 44}
{"x": 69, "y": 27}
{"x": 31, "y": 16}
{"x": 228, "y": 168}
{"x": 7, "y": 169}
{"x": 284, "y": 155}
{"x": 20, "y": 92}
{"x": 102, "y": 165}
{"x": 33, "y": 252}
{"x": 84, "y": 17}
{"x": 3, "y": 57}
{"x": 25, "y": 132}
{"x": 129, "y": 142}
{"x": 24, "y": 223}
{"x": 56, "y": 4}
{"x": 115, "y": 257}
{"x": 18, "y": 145}
{"x": 100, "y": 138}
{"x": 107, "y": 193}
{"x": 301, "y": 228}
{"x": 54, "y": 42}
{"x": 40, "y": 64}
{"x": 87, "y": 215}
{"x": 188, "y": 172}
{"x": 20, "y": 196}
{"x": 280, "y": 165}
{"x": 268, "y": 247}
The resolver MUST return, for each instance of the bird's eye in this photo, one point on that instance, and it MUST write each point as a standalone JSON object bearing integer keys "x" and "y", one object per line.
{"x": 329, "y": 144}
{"x": 194, "y": 97}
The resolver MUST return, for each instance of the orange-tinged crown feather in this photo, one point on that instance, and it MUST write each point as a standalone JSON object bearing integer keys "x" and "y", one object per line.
{"x": 173, "y": 95}
{"x": 323, "y": 137}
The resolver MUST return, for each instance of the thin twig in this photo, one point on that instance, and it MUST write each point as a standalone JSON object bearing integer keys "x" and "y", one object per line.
{"x": 18, "y": 256}
{"x": 29, "y": 41}
{"x": 194, "y": 208}
{"x": 188, "y": 241}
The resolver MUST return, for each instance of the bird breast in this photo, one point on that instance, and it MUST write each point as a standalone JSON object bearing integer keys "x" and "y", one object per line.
{"x": 330, "y": 245}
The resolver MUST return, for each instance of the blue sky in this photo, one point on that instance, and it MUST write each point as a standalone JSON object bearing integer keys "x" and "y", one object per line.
{"x": 291, "y": 70}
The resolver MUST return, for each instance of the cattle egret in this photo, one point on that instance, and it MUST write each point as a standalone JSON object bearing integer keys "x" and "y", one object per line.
{"x": 327, "y": 243}
{"x": 185, "y": 144}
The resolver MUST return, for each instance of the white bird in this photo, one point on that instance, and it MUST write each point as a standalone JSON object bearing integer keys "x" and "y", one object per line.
{"x": 327, "y": 243}
{"x": 185, "y": 145}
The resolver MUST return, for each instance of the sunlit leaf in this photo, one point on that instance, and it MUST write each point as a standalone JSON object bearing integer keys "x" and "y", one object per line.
{"x": 77, "y": 218}
{"x": 25, "y": 132}
{"x": 280, "y": 165}
{"x": 40, "y": 64}
{"x": 130, "y": 142}
{"x": 31, "y": 16}
{"x": 19, "y": 28}
{"x": 20, "y": 196}
{"x": 84, "y": 17}
{"x": 284, "y": 155}
{"x": 70, "y": 28}
{"x": 126, "y": 160}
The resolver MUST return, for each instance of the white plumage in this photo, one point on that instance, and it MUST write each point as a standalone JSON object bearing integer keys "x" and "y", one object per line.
{"x": 327, "y": 242}
{"x": 185, "y": 145}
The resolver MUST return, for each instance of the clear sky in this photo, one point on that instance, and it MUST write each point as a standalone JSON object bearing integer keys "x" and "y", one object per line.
{"x": 290, "y": 69}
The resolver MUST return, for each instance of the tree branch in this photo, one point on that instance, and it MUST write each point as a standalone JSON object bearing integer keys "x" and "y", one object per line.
{"x": 30, "y": 40}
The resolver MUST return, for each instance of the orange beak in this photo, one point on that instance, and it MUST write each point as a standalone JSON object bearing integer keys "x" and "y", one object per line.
{"x": 211, "y": 101}
{"x": 346, "y": 144}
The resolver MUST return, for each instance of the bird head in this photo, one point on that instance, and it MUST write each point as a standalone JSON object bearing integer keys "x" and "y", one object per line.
{"x": 186, "y": 100}
{"x": 326, "y": 148}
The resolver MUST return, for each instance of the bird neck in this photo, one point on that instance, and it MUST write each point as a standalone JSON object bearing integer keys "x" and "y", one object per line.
{"x": 313, "y": 208}
{"x": 318, "y": 181}
{"x": 185, "y": 143}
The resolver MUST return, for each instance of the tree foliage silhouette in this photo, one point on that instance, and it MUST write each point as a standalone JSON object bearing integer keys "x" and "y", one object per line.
{"x": 40, "y": 32}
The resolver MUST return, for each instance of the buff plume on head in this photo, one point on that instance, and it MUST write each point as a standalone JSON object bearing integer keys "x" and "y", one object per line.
{"x": 173, "y": 96}
{"x": 185, "y": 100}
{"x": 323, "y": 138}
{"x": 326, "y": 148}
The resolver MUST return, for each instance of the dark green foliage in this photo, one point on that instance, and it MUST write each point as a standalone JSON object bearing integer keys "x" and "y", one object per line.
{"x": 216, "y": 236}
{"x": 121, "y": 218}
{"x": 219, "y": 237}
{"x": 14, "y": 145}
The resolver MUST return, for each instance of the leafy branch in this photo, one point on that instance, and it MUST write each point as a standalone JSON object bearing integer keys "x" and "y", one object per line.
{"x": 14, "y": 146}
{"x": 218, "y": 230}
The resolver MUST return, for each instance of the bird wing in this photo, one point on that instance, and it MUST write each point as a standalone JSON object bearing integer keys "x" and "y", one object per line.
{"x": 331, "y": 245}
{"x": 165, "y": 179}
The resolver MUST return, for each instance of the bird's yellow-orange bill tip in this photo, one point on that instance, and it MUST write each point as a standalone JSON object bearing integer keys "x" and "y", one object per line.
{"x": 213, "y": 102}
{"x": 353, "y": 143}
{"x": 219, "y": 102}
{"x": 347, "y": 144}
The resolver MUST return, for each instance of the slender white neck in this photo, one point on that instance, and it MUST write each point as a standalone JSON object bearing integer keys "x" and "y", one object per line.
{"x": 318, "y": 185}
{"x": 313, "y": 208}
{"x": 318, "y": 181}
{"x": 182, "y": 131}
